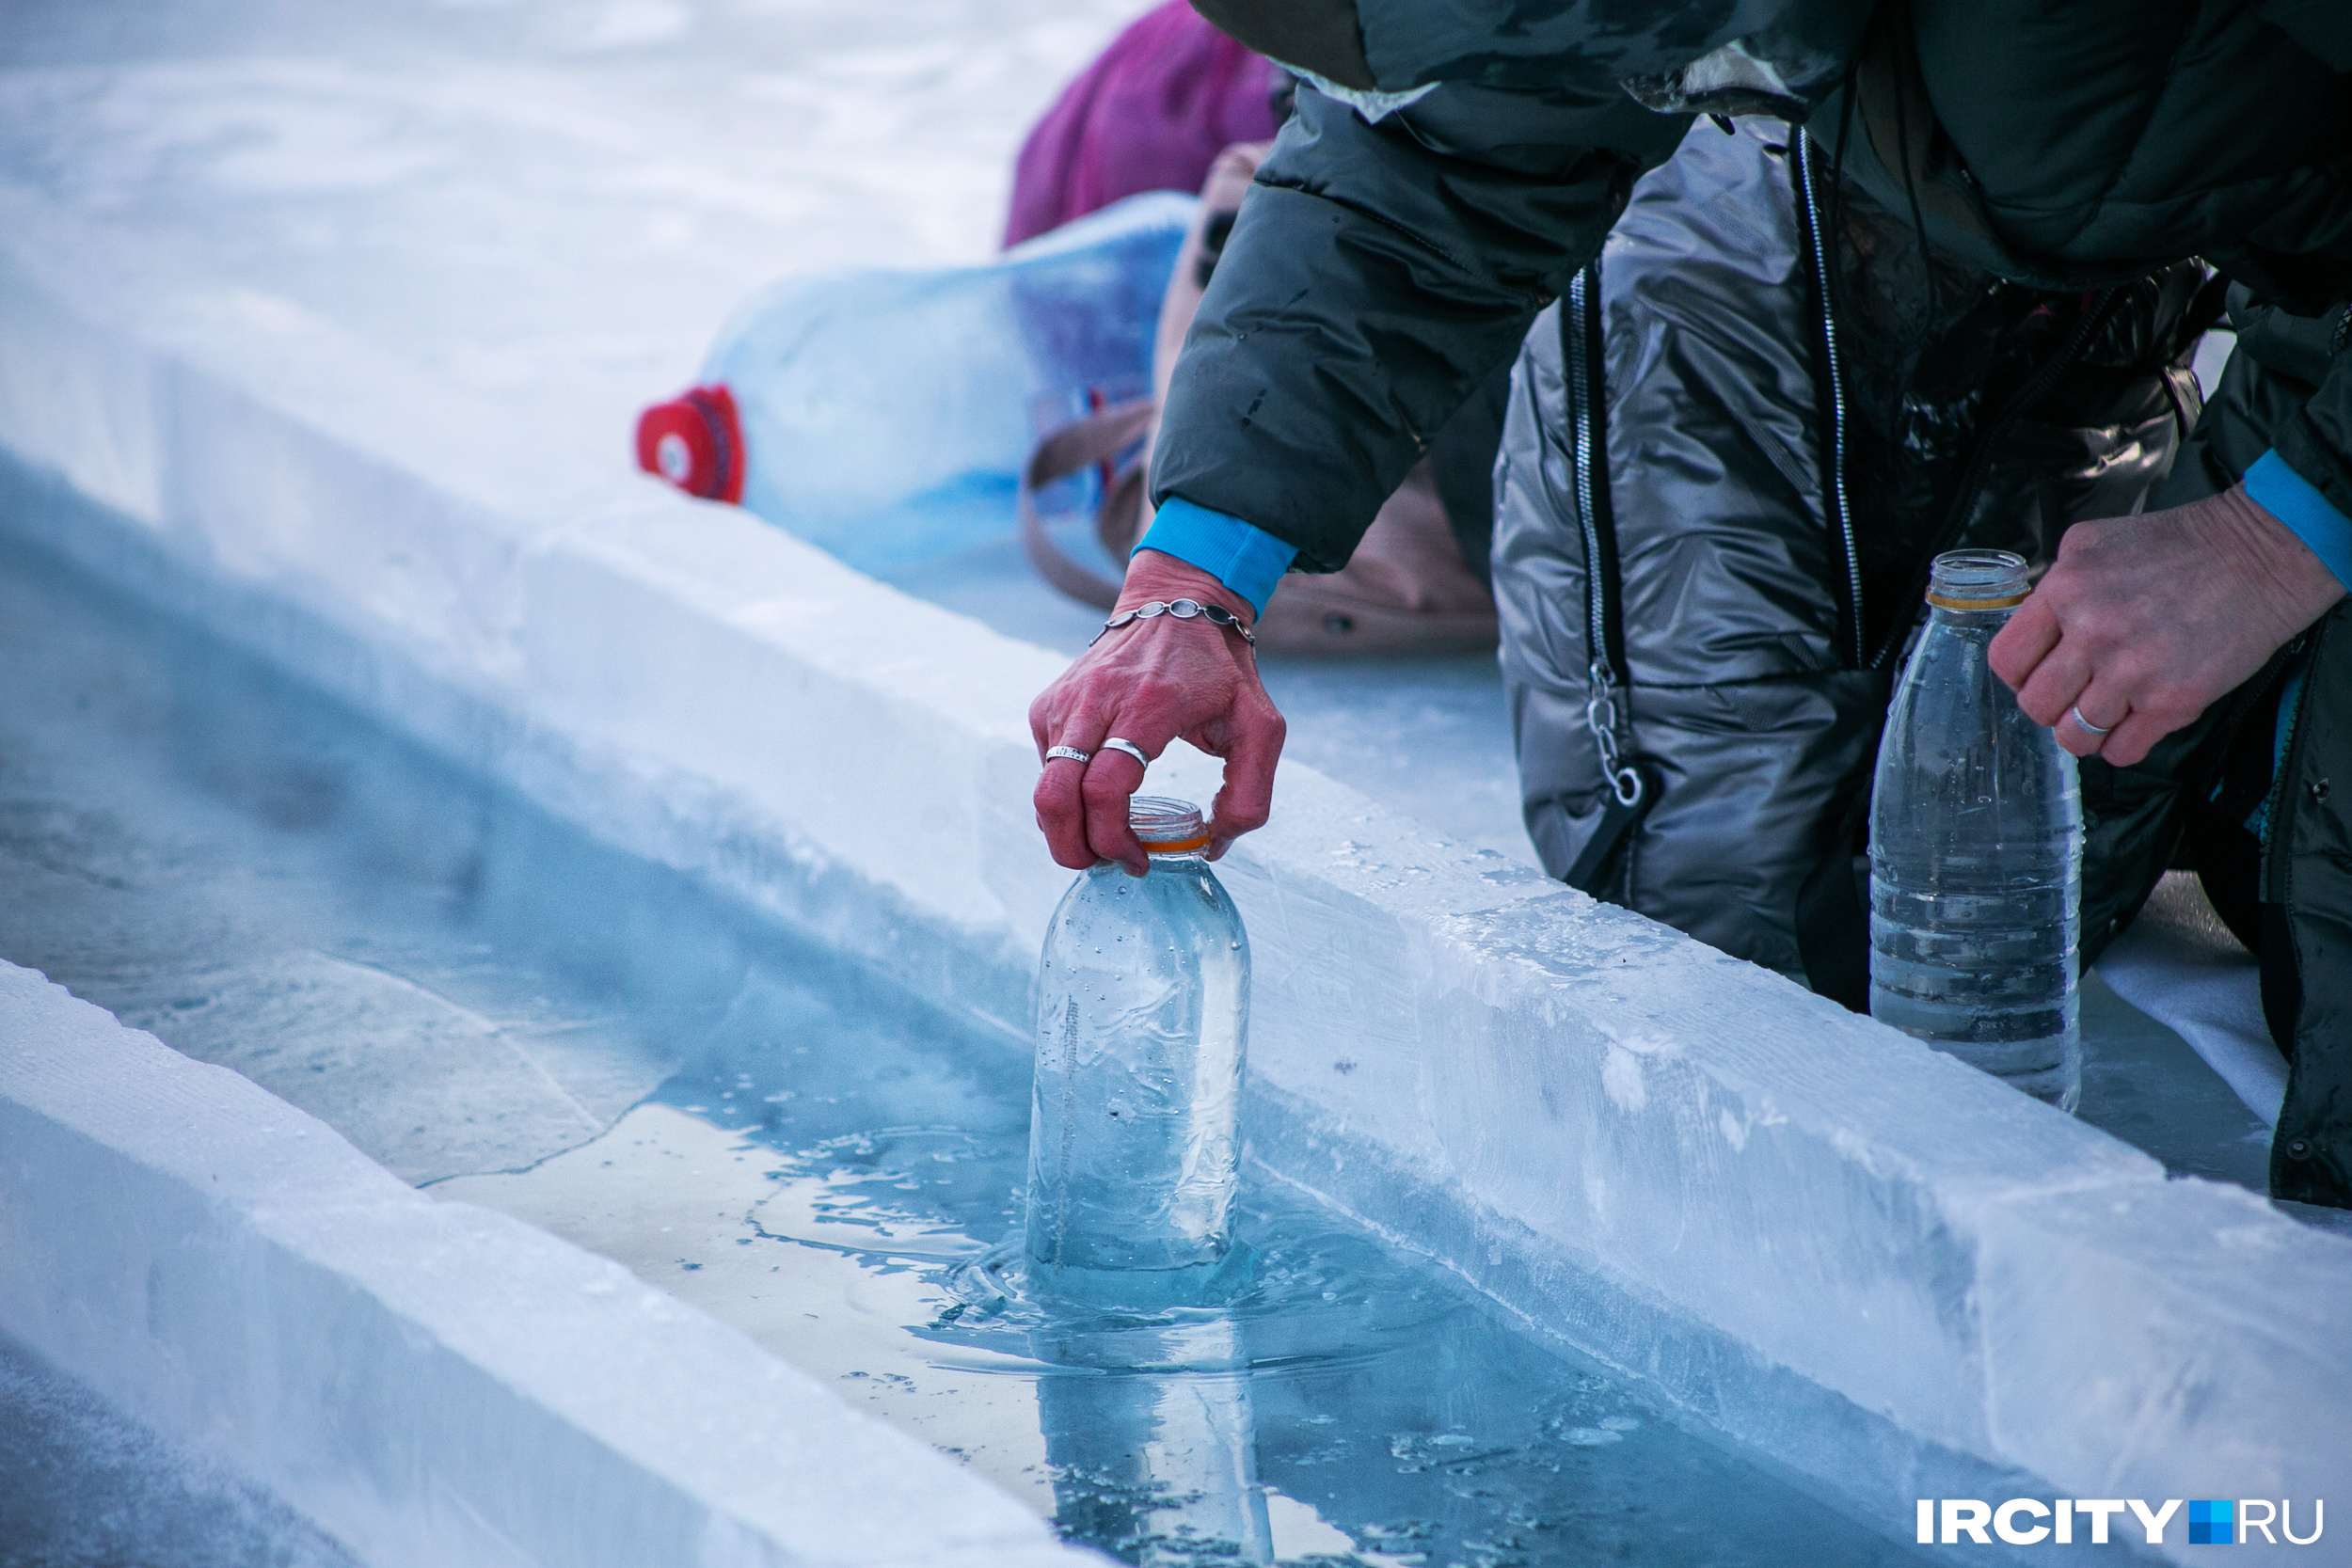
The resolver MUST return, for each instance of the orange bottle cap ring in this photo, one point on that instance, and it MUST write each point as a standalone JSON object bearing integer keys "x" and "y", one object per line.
{"x": 1944, "y": 601}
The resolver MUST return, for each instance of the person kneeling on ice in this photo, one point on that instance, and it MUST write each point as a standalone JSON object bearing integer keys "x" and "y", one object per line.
{"x": 1440, "y": 185}
{"x": 1173, "y": 103}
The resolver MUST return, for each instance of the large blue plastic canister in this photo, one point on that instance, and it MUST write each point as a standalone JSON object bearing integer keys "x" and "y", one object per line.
{"x": 884, "y": 415}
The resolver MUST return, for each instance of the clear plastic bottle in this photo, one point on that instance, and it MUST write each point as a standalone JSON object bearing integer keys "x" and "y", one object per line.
{"x": 884, "y": 415}
{"x": 1143, "y": 1015}
{"x": 1976, "y": 851}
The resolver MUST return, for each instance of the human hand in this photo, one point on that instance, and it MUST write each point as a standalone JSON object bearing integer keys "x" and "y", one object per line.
{"x": 1150, "y": 682}
{"x": 2145, "y": 621}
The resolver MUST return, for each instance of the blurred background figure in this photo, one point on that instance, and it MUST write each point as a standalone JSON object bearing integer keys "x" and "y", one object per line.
{"x": 1151, "y": 114}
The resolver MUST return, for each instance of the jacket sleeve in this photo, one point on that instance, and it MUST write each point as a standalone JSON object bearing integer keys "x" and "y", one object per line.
{"x": 2317, "y": 442}
{"x": 1377, "y": 273}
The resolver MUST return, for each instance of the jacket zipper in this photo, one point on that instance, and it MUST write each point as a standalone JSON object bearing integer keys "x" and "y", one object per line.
{"x": 1841, "y": 509}
{"x": 1585, "y": 415}
{"x": 1582, "y": 375}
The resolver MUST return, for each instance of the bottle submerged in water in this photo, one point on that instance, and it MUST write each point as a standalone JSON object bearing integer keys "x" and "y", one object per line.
{"x": 1976, "y": 851}
{"x": 1143, "y": 1014}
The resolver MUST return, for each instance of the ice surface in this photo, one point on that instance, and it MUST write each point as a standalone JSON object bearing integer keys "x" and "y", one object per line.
{"x": 2147, "y": 1084}
{"x": 829, "y": 1151}
{"x": 2136, "y": 1295}
{"x": 82, "y": 1485}
{"x": 375, "y": 423}
{"x": 2180, "y": 964}
{"x": 820, "y": 1174}
{"x": 1575, "y": 1041}
{"x": 832, "y": 1147}
{"x": 430, "y": 1384}
{"x": 194, "y": 843}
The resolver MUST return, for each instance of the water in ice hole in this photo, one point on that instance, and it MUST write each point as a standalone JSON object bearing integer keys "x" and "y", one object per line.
{"x": 493, "y": 1005}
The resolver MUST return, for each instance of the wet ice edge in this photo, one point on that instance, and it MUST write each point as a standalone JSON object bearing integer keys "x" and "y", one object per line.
{"x": 1605, "y": 1124}
{"x": 430, "y": 1382}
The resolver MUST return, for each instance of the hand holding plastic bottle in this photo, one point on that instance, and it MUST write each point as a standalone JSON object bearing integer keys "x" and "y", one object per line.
{"x": 1151, "y": 682}
{"x": 2145, "y": 621}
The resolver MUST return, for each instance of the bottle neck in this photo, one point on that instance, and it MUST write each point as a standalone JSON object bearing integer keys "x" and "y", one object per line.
{"x": 1970, "y": 620}
{"x": 1976, "y": 588}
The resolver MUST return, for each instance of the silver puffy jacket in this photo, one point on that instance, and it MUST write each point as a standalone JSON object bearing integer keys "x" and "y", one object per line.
{"x": 1759, "y": 478}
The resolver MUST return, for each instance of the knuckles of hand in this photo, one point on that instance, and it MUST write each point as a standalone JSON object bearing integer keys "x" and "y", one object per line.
{"x": 1101, "y": 790}
{"x": 2170, "y": 705}
{"x": 1151, "y": 681}
{"x": 2087, "y": 536}
{"x": 2130, "y": 666}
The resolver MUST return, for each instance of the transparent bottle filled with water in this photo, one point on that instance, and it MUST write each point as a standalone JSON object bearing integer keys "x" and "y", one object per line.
{"x": 1976, "y": 851}
{"x": 1143, "y": 1013}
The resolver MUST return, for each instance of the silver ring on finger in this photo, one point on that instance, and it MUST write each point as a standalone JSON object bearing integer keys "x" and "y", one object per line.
{"x": 1115, "y": 744}
{"x": 2091, "y": 729}
{"x": 1067, "y": 753}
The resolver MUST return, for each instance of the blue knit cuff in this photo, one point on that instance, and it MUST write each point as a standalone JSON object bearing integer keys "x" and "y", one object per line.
{"x": 1246, "y": 560}
{"x": 2295, "y": 502}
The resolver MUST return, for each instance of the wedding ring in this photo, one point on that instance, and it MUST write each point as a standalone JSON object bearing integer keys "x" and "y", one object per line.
{"x": 2090, "y": 728}
{"x": 1115, "y": 744}
{"x": 1067, "y": 753}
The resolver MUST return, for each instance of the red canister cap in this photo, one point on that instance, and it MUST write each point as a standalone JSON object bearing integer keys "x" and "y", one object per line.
{"x": 695, "y": 442}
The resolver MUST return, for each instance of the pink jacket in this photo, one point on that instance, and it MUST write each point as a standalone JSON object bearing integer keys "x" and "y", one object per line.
{"x": 1164, "y": 100}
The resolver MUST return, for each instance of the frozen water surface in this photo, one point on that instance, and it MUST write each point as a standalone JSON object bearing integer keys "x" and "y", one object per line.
{"x": 368, "y": 933}
{"x": 490, "y": 1003}
{"x": 465, "y": 990}
{"x": 238, "y": 873}
{"x": 545, "y": 211}
{"x": 82, "y": 1485}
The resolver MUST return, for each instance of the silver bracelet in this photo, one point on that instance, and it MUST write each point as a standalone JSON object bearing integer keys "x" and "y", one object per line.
{"x": 1183, "y": 609}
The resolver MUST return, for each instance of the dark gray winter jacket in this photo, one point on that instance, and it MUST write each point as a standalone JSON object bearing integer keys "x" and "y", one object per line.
{"x": 1381, "y": 270}
{"x": 1384, "y": 265}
